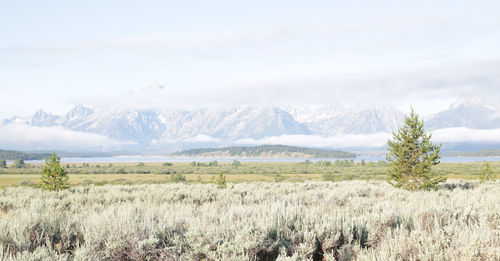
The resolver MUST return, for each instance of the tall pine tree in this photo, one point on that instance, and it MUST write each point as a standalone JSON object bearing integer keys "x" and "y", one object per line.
{"x": 411, "y": 156}
{"x": 54, "y": 176}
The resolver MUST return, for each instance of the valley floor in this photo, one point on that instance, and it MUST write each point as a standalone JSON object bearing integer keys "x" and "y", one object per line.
{"x": 236, "y": 172}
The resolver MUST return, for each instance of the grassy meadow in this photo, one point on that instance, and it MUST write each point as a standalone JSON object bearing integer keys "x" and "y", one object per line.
{"x": 147, "y": 173}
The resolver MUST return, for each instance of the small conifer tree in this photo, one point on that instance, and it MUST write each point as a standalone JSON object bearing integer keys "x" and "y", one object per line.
{"x": 221, "y": 181}
{"x": 487, "y": 173}
{"x": 3, "y": 164}
{"x": 54, "y": 176}
{"x": 411, "y": 156}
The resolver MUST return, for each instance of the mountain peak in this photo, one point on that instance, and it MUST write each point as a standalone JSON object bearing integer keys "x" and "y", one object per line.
{"x": 489, "y": 103}
{"x": 78, "y": 111}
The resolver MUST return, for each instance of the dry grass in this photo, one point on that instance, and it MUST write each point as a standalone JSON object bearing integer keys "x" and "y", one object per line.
{"x": 249, "y": 171}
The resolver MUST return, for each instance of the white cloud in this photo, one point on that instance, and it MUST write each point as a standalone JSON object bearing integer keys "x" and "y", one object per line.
{"x": 201, "y": 138}
{"x": 448, "y": 135}
{"x": 463, "y": 134}
{"x": 316, "y": 141}
{"x": 20, "y": 136}
{"x": 428, "y": 89}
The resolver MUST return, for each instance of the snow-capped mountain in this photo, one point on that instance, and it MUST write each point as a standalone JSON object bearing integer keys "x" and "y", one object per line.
{"x": 238, "y": 123}
{"x": 470, "y": 113}
{"x": 330, "y": 121}
{"x": 146, "y": 126}
{"x": 159, "y": 128}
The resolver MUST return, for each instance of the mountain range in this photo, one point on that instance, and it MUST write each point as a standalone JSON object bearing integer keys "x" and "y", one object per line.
{"x": 181, "y": 129}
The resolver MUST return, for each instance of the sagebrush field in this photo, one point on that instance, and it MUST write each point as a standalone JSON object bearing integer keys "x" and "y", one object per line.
{"x": 348, "y": 220}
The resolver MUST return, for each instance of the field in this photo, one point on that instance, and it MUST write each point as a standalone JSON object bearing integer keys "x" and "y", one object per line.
{"x": 147, "y": 173}
{"x": 348, "y": 220}
{"x": 269, "y": 211}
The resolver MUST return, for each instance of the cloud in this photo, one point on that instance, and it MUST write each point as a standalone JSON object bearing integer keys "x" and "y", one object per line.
{"x": 376, "y": 140}
{"x": 200, "y": 138}
{"x": 24, "y": 137}
{"x": 463, "y": 134}
{"x": 429, "y": 89}
{"x": 316, "y": 141}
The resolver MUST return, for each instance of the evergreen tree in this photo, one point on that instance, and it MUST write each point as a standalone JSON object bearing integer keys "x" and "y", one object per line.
{"x": 54, "y": 177}
{"x": 487, "y": 173}
{"x": 3, "y": 164}
{"x": 411, "y": 156}
{"x": 221, "y": 181}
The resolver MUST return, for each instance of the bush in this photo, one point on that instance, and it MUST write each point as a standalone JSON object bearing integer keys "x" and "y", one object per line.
{"x": 212, "y": 163}
{"x": 121, "y": 171}
{"x": 236, "y": 163}
{"x": 19, "y": 164}
{"x": 3, "y": 164}
{"x": 177, "y": 178}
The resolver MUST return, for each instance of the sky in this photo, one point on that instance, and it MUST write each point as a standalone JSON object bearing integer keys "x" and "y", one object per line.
{"x": 189, "y": 54}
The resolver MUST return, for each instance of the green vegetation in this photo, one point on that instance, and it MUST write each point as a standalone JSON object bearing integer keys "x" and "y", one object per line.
{"x": 412, "y": 155}
{"x": 177, "y": 177}
{"x": 271, "y": 151}
{"x": 3, "y": 164}
{"x": 17, "y": 155}
{"x": 54, "y": 177}
{"x": 350, "y": 220}
{"x": 487, "y": 173}
{"x": 19, "y": 164}
{"x": 479, "y": 153}
{"x": 221, "y": 181}
{"x": 248, "y": 171}
{"x": 236, "y": 163}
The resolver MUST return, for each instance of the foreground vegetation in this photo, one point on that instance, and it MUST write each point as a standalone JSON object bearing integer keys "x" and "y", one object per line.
{"x": 363, "y": 220}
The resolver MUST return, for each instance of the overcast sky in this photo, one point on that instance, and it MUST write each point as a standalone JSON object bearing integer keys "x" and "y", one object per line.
{"x": 55, "y": 54}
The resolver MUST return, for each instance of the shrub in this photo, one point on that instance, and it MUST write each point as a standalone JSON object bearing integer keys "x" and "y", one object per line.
{"x": 167, "y": 164}
{"x": 54, "y": 177}
{"x": 212, "y": 163}
{"x": 323, "y": 163}
{"x": 236, "y": 163}
{"x": 487, "y": 173}
{"x": 140, "y": 164}
{"x": 121, "y": 171}
{"x": 19, "y": 164}
{"x": 411, "y": 156}
{"x": 177, "y": 178}
{"x": 3, "y": 164}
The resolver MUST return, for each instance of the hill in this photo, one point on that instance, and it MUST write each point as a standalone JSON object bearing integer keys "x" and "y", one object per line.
{"x": 265, "y": 151}
{"x": 479, "y": 153}
{"x": 15, "y": 155}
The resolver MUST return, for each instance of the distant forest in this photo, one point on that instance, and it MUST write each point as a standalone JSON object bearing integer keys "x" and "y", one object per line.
{"x": 479, "y": 153}
{"x": 265, "y": 150}
{"x": 15, "y": 155}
